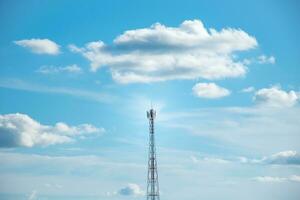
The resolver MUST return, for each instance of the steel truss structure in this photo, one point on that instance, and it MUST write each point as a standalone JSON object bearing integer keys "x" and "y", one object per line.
{"x": 152, "y": 182}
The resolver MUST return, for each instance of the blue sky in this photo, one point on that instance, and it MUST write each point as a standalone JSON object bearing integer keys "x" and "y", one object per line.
{"x": 77, "y": 77}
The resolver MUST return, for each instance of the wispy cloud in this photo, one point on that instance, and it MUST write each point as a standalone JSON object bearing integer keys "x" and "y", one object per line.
{"x": 274, "y": 179}
{"x": 18, "y": 84}
{"x": 63, "y": 164}
{"x": 212, "y": 160}
{"x": 263, "y": 59}
{"x": 61, "y": 173}
{"x": 255, "y": 127}
{"x": 281, "y": 158}
{"x": 33, "y": 195}
{"x": 53, "y": 186}
{"x": 50, "y": 69}
{"x": 248, "y": 89}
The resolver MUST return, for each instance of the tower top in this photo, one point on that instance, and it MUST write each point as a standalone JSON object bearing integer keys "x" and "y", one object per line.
{"x": 151, "y": 114}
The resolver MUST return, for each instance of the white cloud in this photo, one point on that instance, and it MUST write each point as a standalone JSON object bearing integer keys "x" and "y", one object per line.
{"x": 295, "y": 178}
{"x": 160, "y": 53}
{"x": 263, "y": 59}
{"x": 269, "y": 179}
{"x": 284, "y": 157}
{"x": 21, "y": 130}
{"x": 210, "y": 90}
{"x": 248, "y": 89}
{"x": 131, "y": 190}
{"x": 53, "y": 186}
{"x": 194, "y": 159}
{"x": 209, "y": 160}
{"x": 274, "y": 179}
{"x": 50, "y": 69}
{"x": 281, "y": 158}
{"x": 247, "y": 61}
{"x": 276, "y": 97}
{"x": 40, "y": 46}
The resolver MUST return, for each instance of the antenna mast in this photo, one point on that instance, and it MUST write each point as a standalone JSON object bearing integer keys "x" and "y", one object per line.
{"x": 152, "y": 183}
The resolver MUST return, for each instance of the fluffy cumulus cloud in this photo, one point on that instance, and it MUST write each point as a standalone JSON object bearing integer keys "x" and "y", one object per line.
{"x": 72, "y": 69}
{"x": 21, "y": 130}
{"x": 40, "y": 46}
{"x": 160, "y": 53}
{"x": 276, "y": 97}
{"x": 210, "y": 90}
{"x": 131, "y": 190}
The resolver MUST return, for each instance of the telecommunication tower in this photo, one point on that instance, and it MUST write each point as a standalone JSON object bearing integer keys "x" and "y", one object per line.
{"x": 152, "y": 182}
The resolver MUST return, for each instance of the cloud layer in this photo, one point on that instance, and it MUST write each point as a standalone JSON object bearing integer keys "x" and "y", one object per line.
{"x": 160, "y": 53}
{"x": 21, "y": 130}
{"x": 210, "y": 91}
{"x": 40, "y": 46}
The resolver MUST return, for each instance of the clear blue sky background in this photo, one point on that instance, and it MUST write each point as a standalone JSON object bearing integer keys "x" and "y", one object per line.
{"x": 201, "y": 142}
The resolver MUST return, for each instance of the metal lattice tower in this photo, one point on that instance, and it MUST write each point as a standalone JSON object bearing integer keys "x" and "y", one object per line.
{"x": 152, "y": 183}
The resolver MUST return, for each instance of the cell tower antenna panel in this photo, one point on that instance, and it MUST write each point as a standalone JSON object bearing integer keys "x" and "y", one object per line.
{"x": 152, "y": 181}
